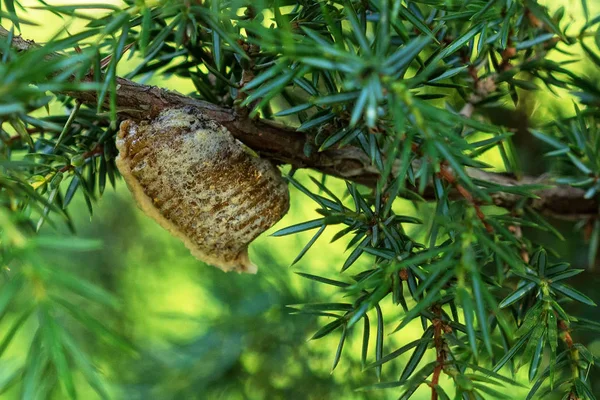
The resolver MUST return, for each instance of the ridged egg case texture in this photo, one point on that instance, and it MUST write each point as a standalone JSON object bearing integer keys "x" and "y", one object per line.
{"x": 197, "y": 181}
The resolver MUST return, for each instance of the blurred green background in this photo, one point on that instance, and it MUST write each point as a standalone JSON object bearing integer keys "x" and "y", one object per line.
{"x": 205, "y": 334}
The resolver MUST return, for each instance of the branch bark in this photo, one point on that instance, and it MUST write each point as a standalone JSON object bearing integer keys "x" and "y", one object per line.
{"x": 285, "y": 145}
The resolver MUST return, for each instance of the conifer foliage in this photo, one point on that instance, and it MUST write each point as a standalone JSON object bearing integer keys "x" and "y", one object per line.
{"x": 420, "y": 93}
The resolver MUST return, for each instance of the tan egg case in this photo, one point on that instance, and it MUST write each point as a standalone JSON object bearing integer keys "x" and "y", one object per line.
{"x": 196, "y": 180}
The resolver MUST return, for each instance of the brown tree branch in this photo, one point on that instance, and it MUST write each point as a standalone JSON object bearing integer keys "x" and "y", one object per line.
{"x": 285, "y": 145}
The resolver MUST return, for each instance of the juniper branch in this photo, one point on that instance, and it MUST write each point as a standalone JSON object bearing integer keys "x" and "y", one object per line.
{"x": 285, "y": 145}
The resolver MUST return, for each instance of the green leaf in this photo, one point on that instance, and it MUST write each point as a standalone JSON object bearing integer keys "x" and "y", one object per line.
{"x": 531, "y": 319}
{"x": 565, "y": 275}
{"x": 10, "y": 378}
{"x": 586, "y": 10}
{"x": 10, "y": 7}
{"x": 509, "y": 355}
{"x": 453, "y": 47}
{"x": 540, "y": 13}
{"x": 97, "y": 327}
{"x": 355, "y": 254}
{"x": 261, "y": 79}
{"x": 542, "y": 378}
{"x": 217, "y": 27}
{"x": 315, "y": 121}
{"x": 450, "y": 73}
{"x": 490, "y": 373}
{"x": 466, "y": 302}
{"x": 379, "y": 341}
{"x": 146, "y": 28}
{"x": 572, "y": 293}
{"x": 9, "y": 292}
{"x": 517, "y": 294}
{"x": 51, "y": 333}
{"x": 382, "y": 39}
{"x": 37, "y": 361}
{"x": 217, "y": 52}
{"x": 440, "y": 392}
{"x": 323, "y": 280}
{"x": 459, "y": 169}
{"x": 413, "y": 383}
{"x": 359, "y": 107}
{"x": 537, "y": 358}
{"x": 417, "y": 355}
{"x": 309, "y": 244}
{"x": 294, "y": 110}
{"x": 402, "y": 57}
{"x": 338, "y": 353}
{"x": 480, "y": 293}
{"x": 552, "y": 325}
{"x": 66, "y": 281}
{"x": 304, "y": 226}
{"x": 432, "y": 295}
{"x": 593, "y": 246}
{"x": 492, "y": 392}
{"x": 359, "y": 313}
{"x": 537, "y": 335}
{"x": 337, "y": 98}
{"x": 535, "y": 41}
{"x": 400, "y": 351}
{"x": 10, "y": 334}
{"x": 583, "y": 389}
{"x": 72, "y": 244}
{"x": 269, "y": 90}
{"x": 365, "y": 341}
{"x": 357, "y": 30}
{"x": 343, "y": 136}
{"x": 420, "y": 25}
{"x": 549, "y": 139}
{"x": 91, "y": 375}
{"x": 579, "y": 164}
{"x": 327, "y": 329}
{"x": 326, "y": 306}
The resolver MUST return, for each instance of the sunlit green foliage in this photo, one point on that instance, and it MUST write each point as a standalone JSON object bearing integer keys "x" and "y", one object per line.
{"x": 413, "y": 85}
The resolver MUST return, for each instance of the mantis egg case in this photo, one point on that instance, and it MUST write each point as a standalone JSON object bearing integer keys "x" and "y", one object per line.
{"x": 196, "y": 180}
